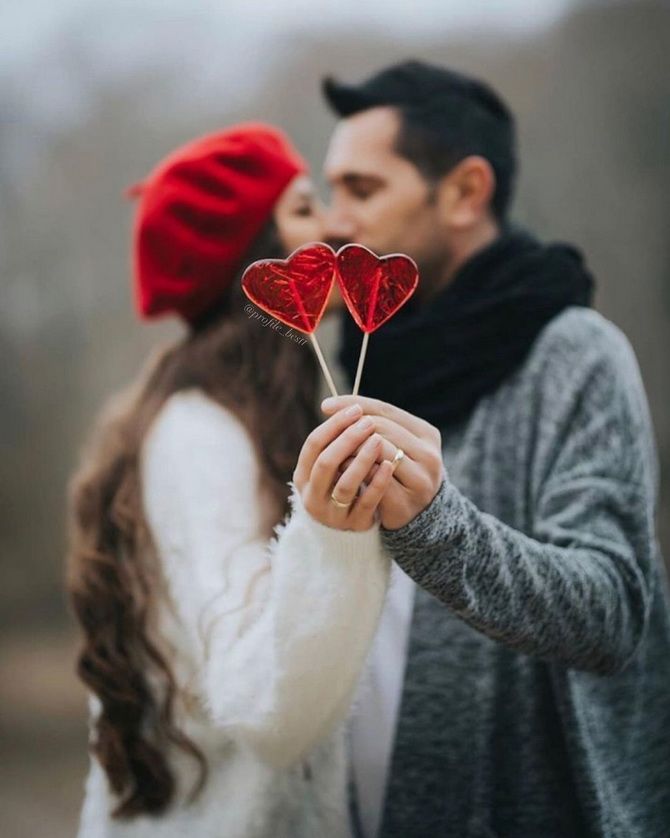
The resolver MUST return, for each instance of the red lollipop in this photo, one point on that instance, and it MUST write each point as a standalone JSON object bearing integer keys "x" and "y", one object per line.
{"x": 374, "y": 289}
{"x": 295, "y": 290}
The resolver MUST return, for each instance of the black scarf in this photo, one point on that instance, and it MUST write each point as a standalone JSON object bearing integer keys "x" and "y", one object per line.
{"x": 438, "y": 359}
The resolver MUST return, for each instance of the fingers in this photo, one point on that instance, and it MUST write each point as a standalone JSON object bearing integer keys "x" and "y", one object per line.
{"x": 349, "y": 515}
{"x": 325, "y": 469}
{"x": 319, "y": 438}
{"x": 376, "y": 407}
{"x": 406, "y": 471}
{"x": 394, "y": 436}
{"x": 362, "y": 515}
{"x": 348, "y": 484}
{"x": 423, "y": 463}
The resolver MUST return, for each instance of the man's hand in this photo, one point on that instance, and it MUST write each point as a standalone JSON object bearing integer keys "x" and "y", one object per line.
{"x": 419, "y": 474}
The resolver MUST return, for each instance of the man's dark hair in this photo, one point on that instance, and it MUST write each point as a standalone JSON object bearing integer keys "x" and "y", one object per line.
{"x": 445, "y": 117}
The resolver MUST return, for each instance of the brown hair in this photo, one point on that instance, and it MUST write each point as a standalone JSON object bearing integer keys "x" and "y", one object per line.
{"x": 271, "y": 383}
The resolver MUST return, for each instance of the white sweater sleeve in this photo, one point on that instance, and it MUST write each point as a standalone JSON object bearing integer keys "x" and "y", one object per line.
{"x": 280, "y": 629}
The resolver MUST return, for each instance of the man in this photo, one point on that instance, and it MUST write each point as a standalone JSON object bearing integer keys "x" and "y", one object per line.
{"x": 519, "y": 686}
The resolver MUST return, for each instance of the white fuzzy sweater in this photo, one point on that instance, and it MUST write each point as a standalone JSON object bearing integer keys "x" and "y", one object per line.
{"x": 266, "y": 637}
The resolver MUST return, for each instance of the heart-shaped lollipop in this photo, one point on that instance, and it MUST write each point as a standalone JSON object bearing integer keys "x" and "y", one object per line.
{"x": 373, "y": 289}
{"x": 295, "y": 291}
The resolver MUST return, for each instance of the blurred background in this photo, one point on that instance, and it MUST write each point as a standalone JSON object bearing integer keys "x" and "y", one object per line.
{"x": 93, "y": 93}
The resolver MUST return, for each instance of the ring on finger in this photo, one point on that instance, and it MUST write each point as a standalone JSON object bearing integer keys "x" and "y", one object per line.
{"x": 340, "y": 504}
{"x": 398, "y": 458}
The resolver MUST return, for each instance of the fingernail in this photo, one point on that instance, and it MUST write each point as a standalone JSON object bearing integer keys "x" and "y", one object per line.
{"x": 364, "y": 424}
{"x": 353, "y": 410}
{"x": 328, "y": 402}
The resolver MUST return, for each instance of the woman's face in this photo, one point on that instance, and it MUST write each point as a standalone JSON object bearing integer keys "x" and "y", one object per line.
{"x": 299, "y": 215}
{"x": 300, "y": 219}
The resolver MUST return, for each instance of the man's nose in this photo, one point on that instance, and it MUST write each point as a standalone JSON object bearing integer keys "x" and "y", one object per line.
{"x": 339, "y": 229}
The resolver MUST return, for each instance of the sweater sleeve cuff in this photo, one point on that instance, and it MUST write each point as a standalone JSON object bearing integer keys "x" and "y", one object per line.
{"x": 413, "y": 540}
{"x": 350, "y": 543}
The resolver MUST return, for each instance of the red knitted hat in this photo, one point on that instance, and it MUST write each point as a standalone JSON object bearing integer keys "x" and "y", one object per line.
{"x": 200, "y": 210}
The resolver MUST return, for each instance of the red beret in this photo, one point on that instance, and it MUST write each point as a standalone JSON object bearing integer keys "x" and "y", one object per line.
{"x": 200, "y": 210}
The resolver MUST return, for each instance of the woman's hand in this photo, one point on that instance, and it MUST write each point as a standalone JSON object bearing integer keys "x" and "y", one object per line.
{"x": 321, "y": 471}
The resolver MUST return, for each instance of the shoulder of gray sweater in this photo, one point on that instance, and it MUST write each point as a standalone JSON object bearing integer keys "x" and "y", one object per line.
{"x": 582, "y": 340}
{"x": 583, "y": 362}
{"x": 583, "y": 373}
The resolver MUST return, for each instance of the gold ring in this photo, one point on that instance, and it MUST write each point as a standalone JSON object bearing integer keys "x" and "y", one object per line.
{"x": 339, "y": 503}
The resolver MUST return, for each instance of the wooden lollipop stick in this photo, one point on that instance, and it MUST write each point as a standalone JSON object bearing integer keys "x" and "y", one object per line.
{"x": 361, "y": 361}
{"x": 322, "y": 361}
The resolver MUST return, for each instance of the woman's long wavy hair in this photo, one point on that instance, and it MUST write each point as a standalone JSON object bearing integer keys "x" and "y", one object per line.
{"x": 271, "y": 383}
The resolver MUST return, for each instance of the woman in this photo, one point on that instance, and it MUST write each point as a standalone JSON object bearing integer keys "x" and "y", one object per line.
{"x": 220, "y": 658}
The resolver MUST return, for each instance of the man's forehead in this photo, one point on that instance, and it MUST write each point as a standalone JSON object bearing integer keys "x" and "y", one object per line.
{"x": 363, "y": 143}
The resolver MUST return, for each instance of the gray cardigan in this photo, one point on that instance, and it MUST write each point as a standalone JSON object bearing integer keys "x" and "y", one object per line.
{"x": 536, "y": 700}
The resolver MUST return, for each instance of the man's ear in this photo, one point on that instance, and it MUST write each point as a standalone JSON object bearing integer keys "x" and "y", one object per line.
{"x": 465, "y": 193}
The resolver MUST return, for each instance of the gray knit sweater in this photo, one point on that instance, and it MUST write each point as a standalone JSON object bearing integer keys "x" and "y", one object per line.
{"x": 537, "y": 692}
